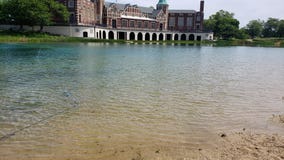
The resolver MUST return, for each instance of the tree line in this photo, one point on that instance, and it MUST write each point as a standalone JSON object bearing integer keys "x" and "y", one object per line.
{"x": 32, "y": 12}
{"x": 225, "y": 26}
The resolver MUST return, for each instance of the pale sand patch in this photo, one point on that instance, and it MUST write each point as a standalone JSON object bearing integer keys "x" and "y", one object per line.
{"x": 251, "y": 146}
{"x": 278, "y": 119}
{"x": 247, "y": 145}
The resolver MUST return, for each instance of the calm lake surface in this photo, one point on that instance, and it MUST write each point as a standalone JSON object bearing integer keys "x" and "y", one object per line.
{"x": 112, "y": 101}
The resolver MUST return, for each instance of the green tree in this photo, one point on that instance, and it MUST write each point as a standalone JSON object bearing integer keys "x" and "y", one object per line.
{"x": 1, "y": 13}
{"x": 59, "y": 11}
{"x": 280, "y": 31}
{"x": 33, "y": 12}
{"x": 271, "y": 27}
{"x": 254, "y": 28}
{"x": 223, "y": 24}
{"x": 208, "y": 25}
{"x": 242, "y": 34}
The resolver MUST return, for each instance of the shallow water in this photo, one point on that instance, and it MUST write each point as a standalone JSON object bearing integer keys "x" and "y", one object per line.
{"x": 112, "y": 101}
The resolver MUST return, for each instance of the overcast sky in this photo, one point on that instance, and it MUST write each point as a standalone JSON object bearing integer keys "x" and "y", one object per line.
{"x": 244, "y": 10}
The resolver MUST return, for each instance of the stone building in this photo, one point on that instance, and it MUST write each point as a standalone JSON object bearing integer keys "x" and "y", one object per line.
{"x": 108, "y": 20}
{"x": 127, "y": 16}
{"x": 82, "y": 12}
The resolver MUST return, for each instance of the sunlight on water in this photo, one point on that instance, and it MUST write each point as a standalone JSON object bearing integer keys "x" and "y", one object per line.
{"x": 111, "y": 101}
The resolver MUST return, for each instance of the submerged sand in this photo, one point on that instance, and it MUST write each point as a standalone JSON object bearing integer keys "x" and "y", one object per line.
{"x": 244, "y": 144}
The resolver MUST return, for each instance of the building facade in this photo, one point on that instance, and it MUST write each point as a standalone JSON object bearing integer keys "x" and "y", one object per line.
{"x": 127, "y": 16}
{"x": 82, "y": 12}
{"x": 125, "y": 19}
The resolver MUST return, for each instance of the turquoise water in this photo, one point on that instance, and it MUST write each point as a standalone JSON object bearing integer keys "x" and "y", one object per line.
{"x": 108, "y": 97}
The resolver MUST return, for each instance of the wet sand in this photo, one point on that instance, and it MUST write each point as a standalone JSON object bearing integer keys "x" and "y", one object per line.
{"x": 244, "y": 144}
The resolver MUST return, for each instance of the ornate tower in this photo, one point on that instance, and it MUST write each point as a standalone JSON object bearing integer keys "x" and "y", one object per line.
{"x": 163, "y": 5}
{"x": 100, "y": 8}
{"x": 201, "y": 14}
{"x": 201, "y": 6}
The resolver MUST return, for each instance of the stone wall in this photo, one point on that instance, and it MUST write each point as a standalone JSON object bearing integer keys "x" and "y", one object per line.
{"x": 71, "y": 31}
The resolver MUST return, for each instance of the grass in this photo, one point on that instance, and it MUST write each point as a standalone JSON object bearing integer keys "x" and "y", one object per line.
{"x": 37, "y": 37}
{"x": 260, "y": 42}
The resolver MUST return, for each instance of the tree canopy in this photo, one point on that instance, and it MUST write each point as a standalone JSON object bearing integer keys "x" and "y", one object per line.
{"x": 223, "y": 24}
{"x": 255, "y": 28}
{"x": 280, "y": 31}
{"x": 32, "y": 12}
{"x": 273, "y": 27}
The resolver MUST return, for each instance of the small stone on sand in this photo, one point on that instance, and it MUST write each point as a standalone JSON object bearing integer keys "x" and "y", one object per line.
{"x": 223, "y": 135}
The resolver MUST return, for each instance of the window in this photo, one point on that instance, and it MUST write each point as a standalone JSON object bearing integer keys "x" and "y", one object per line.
{"x": 124, "y": 23}
{"x": 198, "y": 18}
{"x": 71, "y": 4}
{"x": 146, "y": 24}
{"x": 189, "y": 21}
{"x": 172, "y": 21}
{"x": 80, "y": 18}
{"x": 131, "y": 24}
{"x": 139, "y": 24}
{"x": 198, "y": 26}
{"x": 153, "y": 25}
{"x": 72, "y": 17}
{"x": 180, "y": 21}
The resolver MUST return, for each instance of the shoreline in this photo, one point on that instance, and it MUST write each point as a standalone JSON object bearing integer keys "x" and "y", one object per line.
{"x": 36, "y": 37}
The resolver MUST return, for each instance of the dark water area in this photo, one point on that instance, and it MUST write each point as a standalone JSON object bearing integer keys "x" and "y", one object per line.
{"x": 85, "y": 101}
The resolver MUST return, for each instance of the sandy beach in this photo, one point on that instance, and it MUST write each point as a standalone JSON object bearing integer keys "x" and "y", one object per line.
{"x": 248, "y": 145}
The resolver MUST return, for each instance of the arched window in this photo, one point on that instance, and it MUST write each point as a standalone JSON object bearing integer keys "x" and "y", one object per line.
{"x": 140, "y": 36}
{"x": 132, "y": 36}
{"x": 110, "y": 35}
{"x": 191, "y": 37}
{"x": 183, "y": 37}
{"x": 147, "y": 37}
{"x": 161, "y": 37}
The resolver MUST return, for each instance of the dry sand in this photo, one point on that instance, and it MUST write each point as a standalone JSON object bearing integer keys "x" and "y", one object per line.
{"x": 251, "y": 146}
{"x": 247, "y": 145}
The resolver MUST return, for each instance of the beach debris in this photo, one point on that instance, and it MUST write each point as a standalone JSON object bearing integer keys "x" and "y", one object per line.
{"x": 223, "y": 135}
{"x": 74, "y": 101}
{"x": 244, "y": 129}
{"x": 157, "y": 151}
{"x": 278, "y": 118}
{"x": 66, "y": 94}
{"x": 139, "y": 156}
{"x": 281, "y": 118}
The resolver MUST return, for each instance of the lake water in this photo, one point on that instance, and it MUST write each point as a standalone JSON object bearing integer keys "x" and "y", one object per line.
{"x": 119, "y": 101}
